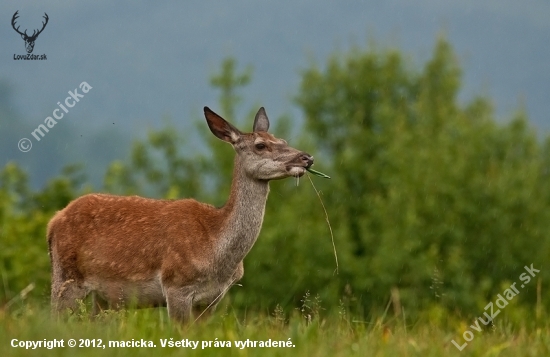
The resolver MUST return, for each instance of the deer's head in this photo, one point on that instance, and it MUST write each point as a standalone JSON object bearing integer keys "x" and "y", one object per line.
{"x": 29, "y": 40}
{"x": 263, "y": 156}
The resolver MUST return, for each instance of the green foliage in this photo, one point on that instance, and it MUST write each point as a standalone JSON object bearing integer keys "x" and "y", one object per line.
{"x": 157, "y": 168}
{"x": 421, "y": 182}
{"x": 435, "y": 206}
{"x": 228, "y": 82}
{"x": 309, "y": 334}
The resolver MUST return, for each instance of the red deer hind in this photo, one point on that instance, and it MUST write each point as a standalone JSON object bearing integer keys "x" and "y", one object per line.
{"x": 182, "y": 254}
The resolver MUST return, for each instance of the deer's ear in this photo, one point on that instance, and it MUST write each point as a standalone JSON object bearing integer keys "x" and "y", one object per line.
{"x": 261, "y": 122}
{"x": 220, "y": 127}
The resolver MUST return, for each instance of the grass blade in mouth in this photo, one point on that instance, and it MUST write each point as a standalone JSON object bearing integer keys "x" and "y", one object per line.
{"x": 320, "y": 174}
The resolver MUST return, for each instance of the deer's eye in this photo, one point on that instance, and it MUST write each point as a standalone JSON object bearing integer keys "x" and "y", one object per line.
{"x": 260, "y": 146}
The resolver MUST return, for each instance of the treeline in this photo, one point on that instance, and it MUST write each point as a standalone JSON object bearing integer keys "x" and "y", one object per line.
{"x": 435, "y": 206}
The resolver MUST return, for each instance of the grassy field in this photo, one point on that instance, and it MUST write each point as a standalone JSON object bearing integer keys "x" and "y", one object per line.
{"x": 298, "y": 333}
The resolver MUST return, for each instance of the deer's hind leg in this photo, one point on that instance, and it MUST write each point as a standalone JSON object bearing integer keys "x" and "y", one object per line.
{"x": 67, "y": 287}
{"x": 98, "y": 304}
{"x": 65, "y": 295}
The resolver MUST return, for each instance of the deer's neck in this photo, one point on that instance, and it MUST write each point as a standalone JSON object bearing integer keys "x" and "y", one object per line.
{"x": 244, "y": 214}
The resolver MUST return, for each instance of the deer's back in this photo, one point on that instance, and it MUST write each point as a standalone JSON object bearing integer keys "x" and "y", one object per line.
{"x": 131, "y": 238}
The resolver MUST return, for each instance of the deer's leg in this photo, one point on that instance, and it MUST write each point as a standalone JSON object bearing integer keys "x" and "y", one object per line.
{"x": 179, "y": 302}
{"x": 98, "y": 304}
{"x": 66, "y": 287}
{"x": 206, "y": 308}
{"x": 203, "y": 310}
{"x": 65, "y": 293}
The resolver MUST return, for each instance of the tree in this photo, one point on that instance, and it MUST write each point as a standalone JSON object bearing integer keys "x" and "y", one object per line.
{"x": 423, "y": 183}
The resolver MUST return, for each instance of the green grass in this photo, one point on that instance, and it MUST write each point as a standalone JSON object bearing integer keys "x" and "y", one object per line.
{"x": 310, "y": 333}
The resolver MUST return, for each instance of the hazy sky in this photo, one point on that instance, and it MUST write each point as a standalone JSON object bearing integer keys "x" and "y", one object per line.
{"x": 148, "y": 59}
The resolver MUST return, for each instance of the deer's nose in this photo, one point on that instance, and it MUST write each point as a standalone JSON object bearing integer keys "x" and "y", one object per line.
{"x": 307, "y": 159}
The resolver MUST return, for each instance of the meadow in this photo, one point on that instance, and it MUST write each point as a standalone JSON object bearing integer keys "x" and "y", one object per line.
{"x": 305, "y": 331}
{"x": 302, "y": 332}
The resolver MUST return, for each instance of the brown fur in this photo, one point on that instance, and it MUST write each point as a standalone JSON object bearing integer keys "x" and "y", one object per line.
{"x": 180, "y": 253}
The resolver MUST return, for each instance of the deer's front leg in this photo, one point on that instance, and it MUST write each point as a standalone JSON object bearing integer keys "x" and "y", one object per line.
{"x": 206, "y": 308}
{"x": 179, "y": 302}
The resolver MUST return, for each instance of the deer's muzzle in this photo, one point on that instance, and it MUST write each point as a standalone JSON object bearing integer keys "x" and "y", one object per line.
{"x": 307, "y": 159}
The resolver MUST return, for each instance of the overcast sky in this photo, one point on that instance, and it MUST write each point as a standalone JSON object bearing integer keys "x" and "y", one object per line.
{"x": 148, "y": 59}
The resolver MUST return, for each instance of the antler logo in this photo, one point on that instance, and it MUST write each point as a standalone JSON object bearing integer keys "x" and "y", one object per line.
{"x": 29, "y": 40}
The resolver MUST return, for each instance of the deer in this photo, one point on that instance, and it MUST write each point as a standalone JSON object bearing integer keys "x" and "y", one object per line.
{"x": 29, "y": 40}
{"x": 181, "y": 254}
